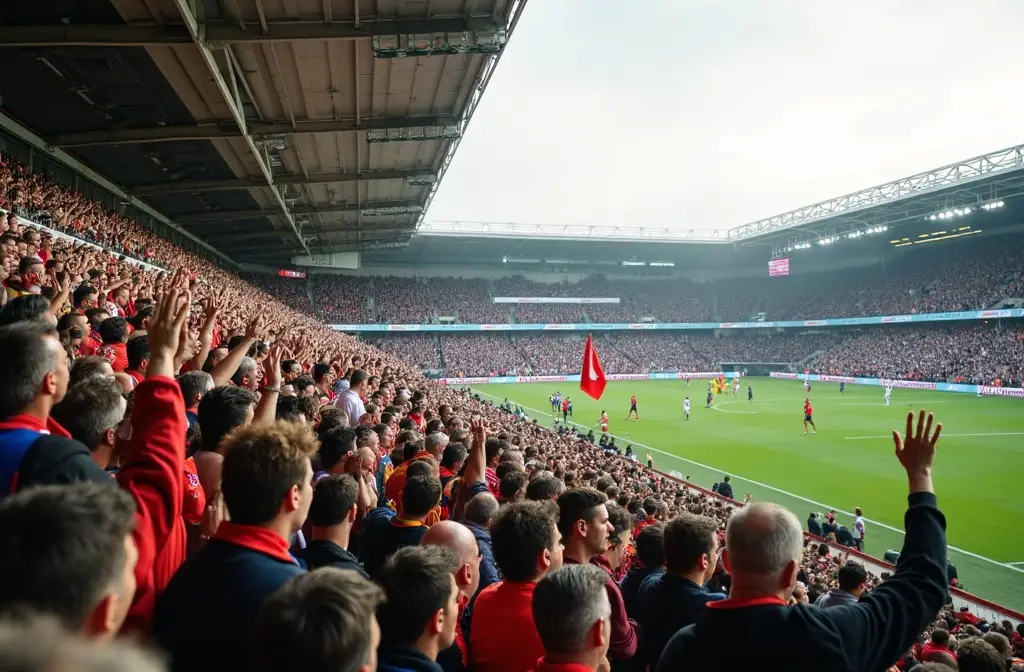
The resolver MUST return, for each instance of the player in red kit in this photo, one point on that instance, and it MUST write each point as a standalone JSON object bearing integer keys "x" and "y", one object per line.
{"x": 809, "y": 416}
{"x": 632, "y": 409}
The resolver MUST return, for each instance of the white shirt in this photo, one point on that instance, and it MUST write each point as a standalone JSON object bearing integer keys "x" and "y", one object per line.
{"x": 686, "y": 405}
{"x": 858, "y": 528}
{"x": 351, "y": 405}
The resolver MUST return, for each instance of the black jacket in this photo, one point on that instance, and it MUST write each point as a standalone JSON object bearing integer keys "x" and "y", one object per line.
{"x": 814, "y": 527}
{"x": 869, "y": 635}
{"x": 52, "y": 460}
{"x": 404, "y": 659}
{"x": 323, "y": 553}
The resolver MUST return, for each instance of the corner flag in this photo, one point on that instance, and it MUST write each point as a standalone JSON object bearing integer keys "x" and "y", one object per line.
{"x": 592, "y": 380}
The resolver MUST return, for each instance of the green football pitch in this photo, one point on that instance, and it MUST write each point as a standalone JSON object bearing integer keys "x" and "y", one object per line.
{"x": 979, "y": 469}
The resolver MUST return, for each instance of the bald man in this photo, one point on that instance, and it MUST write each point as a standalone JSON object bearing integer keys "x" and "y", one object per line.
{"x": 460, "y": 539}
{"x": 763, "y": 550}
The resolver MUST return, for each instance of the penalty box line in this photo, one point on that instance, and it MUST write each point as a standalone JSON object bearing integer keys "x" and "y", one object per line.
{"x": 1011, "y": 566}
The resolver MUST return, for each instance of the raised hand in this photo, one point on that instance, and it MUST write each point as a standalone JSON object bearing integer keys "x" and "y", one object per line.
{"x": 165, "y": 332}
{"x": 916, "y": 451}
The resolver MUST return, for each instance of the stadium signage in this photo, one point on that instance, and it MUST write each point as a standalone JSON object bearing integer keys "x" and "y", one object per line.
{"x": 554, "y": 299}
{"x": 673, "y": 375}
{"x": 604, "y": 326}
{"x": 989, "y": 390}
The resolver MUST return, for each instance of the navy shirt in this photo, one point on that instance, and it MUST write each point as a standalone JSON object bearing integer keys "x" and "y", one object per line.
{"x": 666, "y": 603}
{"x": 869, "y": 635}
{"x": 383, "y": 534}
{"x": 630, "y": 586}
{"x": 205, "y": 619}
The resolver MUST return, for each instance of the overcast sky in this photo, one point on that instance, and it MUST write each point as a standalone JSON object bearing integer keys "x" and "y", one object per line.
{"x": 708, "y": 114}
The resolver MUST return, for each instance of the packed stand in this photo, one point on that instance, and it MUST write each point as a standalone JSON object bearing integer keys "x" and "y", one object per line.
{"x": 469, "y": 300}
{"x": 289, "y": 291}
{"x": 324, "y": 506}
{"x": 969, "y": 354}
{"x": 401, "y": 300}
{"x": 342, "y": 299}
{"x": 419, "y": 350}
{"x": 482, "y": 355}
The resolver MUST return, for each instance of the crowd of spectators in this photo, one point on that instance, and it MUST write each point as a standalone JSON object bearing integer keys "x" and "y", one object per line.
{"x": 289, "y": 291}
{"x": 965, "y": 354}
{"x": 481, "y": 355}
{"x": 419, "y": 350}
{"x": 972, "y": 275}
{"x": 185, "y": 445}
{"x": 342, "y": 299}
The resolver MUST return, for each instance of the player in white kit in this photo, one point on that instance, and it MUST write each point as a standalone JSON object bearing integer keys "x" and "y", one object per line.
{"x": 686, "y": 408}
{"x": 888, "y": 395}
{"x": 736, "y": 386}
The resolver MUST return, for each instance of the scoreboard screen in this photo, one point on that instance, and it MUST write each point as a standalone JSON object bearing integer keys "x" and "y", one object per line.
{"x": 285, "y": 273}
{"x": 778, "y": 267}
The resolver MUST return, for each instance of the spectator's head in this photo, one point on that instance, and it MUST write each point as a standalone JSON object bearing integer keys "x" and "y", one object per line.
{"x": 114, "y": 330}
{"x": 36, "y": 374}
{"x": 31, "y": 271}
{"x": 90, "y": 367}
{"x": 247, "y": 374}
{"x": 461, "y": 540}
{"x": 421, "y": 494}
{"x": 976, "y": 655}
{"x": 545, "y": 488}
{"x": 940, "y": 637}
{"x": 91, "y": 412}
{"x": 27, "y": 308}
{"x": 583, "y": 522}
{"x": 221, "y": 410}
{"x": 650, "y": 546}
{"x": 421, "y": 599}
{"x": 290, "y": 370}
{"x": 138, "y": 353}
{"x": 81, "y": 533}
{"x": 512, "y": 486}
{"x": 267, "y": 477}
{"x": 454, "y": 457}
{"x": 194, "y": 386}
{"x": 96, "y": 316}
{"x": 621, "y": 536}
{"x": 85, "y": 297}
{"x": 763, "y": 549}
{"x": 289, "y": 409}
{"x": 334, "y": 504}
{"x": 335, "y": 444}
{"x": 303, "y": 386}
{"x": 573, "y": 615}
{"x": 481, "y": 509}
{"x": 526, "y": 540}
{"x": 691, "y": 547}
{"x": 40, "y": 644}
{"x": 1000, "y": 643}
{"x": 323, "y": 621}
{"x": 359, "y": 382}
{"x": 435, "y": 443}
{"x": 853, "y": 578}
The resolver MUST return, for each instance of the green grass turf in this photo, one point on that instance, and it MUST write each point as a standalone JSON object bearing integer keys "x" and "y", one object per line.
{"x": 979, "y": 469}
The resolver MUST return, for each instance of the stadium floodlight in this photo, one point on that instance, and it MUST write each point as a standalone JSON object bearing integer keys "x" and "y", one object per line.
{"x": 420, "y": 180}
{"x": 439, "y": 44}
{"x": 391, "y": 210}
{"x": 992, "y": 206}
{"x": 413, "y": 134}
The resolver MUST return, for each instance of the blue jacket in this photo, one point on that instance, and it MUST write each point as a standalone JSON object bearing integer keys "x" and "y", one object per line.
{"x": 404, "y": 659}
{"x": 206, "y": 617}
{"x": 665, "y": 604}
{"x": 489, "y": 572}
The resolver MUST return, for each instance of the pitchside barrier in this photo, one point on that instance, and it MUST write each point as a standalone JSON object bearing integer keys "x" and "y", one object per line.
{"x": 667, "y": 375}
{"x": 989, "y": 390}
{"x": 980, "y": 607}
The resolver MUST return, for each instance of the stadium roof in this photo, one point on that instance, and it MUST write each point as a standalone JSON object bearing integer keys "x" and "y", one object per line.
{"x": 268, "y": 128}
{"x": 970, "y": 183}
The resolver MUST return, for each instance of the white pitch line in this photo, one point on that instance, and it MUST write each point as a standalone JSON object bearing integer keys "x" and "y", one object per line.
{"x": 1015, "y": 563}
{"x": 944, "y": 435}
{"x": 715, "y": 407}
{"x": 780, "y": 491}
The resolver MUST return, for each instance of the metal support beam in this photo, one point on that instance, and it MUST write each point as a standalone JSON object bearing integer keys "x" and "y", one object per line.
{"x": 193, "y": 186}
{"x": 232, "y": 215}
{"x": 256, "y": 129}
{"x": 196, "y": 31}
{"x": 218, "y": 35}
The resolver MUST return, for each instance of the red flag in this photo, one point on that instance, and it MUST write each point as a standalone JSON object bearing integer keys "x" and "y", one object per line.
{"x": 592, "y": 380}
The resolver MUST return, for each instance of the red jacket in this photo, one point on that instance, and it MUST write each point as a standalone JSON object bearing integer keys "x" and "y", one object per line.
{"x": 153, "y": 471}
{"x": 502, "y": 636}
